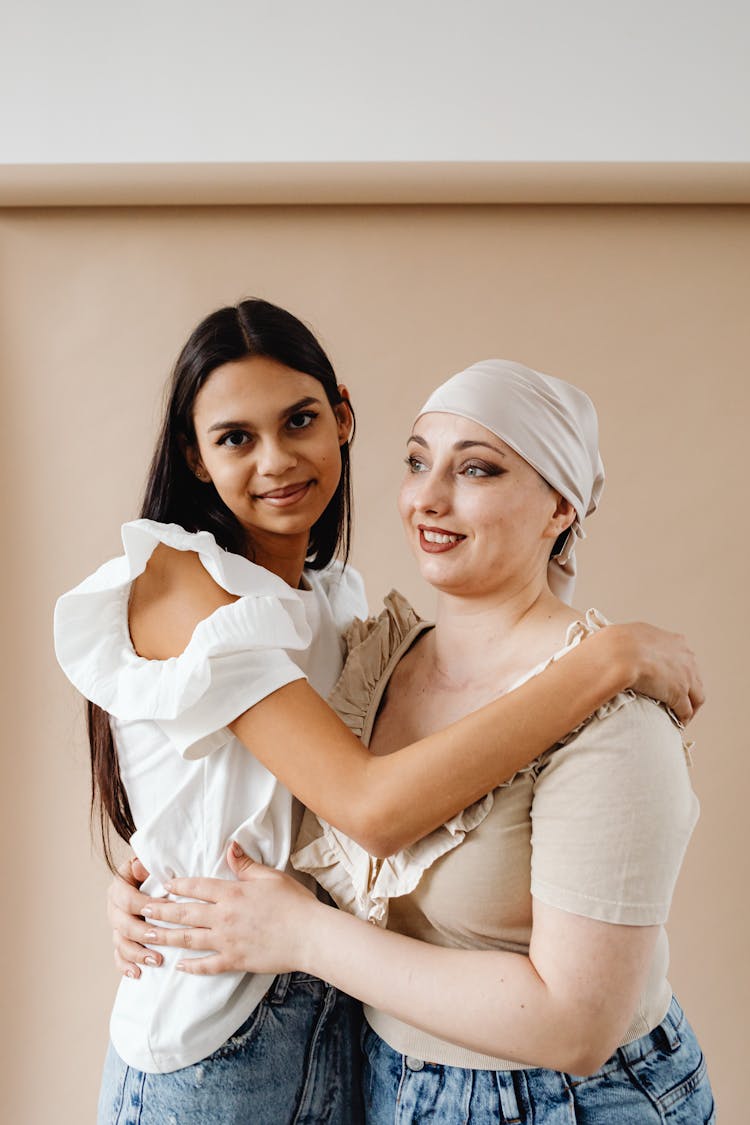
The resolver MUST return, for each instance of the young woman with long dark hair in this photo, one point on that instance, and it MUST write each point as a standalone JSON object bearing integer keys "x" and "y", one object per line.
{"x": 246, "y": 507}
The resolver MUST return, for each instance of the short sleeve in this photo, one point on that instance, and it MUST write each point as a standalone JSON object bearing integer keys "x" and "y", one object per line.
{"x": 236, "y": 657}
{"x": 612, "y": 814}
{"x": 241, "y": 658}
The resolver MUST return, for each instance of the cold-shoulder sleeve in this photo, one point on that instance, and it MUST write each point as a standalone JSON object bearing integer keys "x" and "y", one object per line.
{"x": 235, "y": 657}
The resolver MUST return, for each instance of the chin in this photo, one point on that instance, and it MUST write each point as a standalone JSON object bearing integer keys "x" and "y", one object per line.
{"x": 440, "y": 574}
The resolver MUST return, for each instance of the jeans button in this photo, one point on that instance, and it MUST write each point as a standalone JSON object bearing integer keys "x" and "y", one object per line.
{"x": 414, "y": 1064}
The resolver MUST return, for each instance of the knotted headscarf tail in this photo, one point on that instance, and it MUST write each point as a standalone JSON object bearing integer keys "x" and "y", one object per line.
{"x": 549, "y": 423}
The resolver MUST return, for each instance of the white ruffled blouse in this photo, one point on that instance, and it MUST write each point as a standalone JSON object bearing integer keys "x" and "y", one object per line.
{"x": 192, "y": 786}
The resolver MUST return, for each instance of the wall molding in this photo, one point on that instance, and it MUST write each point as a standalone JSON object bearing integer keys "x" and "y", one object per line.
{"x": 108, "y": 185}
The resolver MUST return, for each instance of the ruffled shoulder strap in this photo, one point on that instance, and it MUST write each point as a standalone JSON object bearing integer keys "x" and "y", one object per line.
{"x": 578, "y": 631}
{"x": 92, "y": 639}
{"x": 372, "y": 648}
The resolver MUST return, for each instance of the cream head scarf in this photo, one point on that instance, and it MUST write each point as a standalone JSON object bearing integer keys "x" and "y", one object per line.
{"x": 549, "y": 423}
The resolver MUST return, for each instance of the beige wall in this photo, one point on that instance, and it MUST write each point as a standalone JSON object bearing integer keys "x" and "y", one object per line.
{"x": 646, "y": 308}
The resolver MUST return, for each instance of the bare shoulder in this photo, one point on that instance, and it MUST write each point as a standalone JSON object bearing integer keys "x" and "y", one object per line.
{"x": 174, "y": 593}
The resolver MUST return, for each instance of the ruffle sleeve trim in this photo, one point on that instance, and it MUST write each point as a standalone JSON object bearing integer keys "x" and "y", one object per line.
{"x": 357, "y": 882}
{"x": 94, "y": 649}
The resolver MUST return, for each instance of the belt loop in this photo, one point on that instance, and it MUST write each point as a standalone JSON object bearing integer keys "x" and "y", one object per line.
{"x": 507, "y": 1092}
{"x": 278, "y": 990}
{"x": 670, "y": 1029}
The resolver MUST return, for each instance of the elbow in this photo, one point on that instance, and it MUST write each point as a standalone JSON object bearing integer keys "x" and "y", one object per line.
{"x": 585, "y": 1054}
{"x": 584, "y": 1059}
{"x": 376, "y": 839}
{"x": 376, "y": 825}
{"x": 579, "y": 1038}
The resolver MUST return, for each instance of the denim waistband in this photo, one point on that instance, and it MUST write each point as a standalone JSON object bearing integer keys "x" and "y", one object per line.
{"x": 666, "y": 1036}
{"x": 284, "y": 981}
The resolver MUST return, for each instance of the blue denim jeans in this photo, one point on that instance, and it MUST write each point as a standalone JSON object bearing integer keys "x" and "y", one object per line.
{"x": 295, "y": 1061}
{"x": 660, "y": 1078}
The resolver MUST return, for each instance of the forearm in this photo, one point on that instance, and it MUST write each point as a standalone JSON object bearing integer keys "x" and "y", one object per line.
{"x": 388, "y": 802}
{"x": 491, "y": 1002}
{"x": 566, "y": 1005}
{"x": 484, "y": 749}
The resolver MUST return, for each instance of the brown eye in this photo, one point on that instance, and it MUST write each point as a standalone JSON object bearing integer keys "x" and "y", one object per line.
{"x": 302, "y": 420}
{"x": 234, "y": 439}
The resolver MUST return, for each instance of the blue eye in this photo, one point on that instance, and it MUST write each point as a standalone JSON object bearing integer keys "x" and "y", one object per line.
{"x": 414, "y": 465}
{"x": 475, "y": 470}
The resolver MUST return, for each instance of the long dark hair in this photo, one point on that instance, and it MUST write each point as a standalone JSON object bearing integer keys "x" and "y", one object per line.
{"x": 173, "y": 494}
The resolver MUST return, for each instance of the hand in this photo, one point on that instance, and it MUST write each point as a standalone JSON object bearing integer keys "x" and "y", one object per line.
{"x": 258, "y": 924}
{"x": 125, "y": 906}
{"x": 664, "y": 667}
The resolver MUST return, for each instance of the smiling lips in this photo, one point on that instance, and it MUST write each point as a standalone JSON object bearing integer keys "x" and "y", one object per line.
{"x": 436, "y": 540}
{"x": 285, "y": 497}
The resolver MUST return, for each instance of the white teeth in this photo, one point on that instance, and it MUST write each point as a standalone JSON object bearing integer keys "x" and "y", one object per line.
{"x": 436, "y": 537}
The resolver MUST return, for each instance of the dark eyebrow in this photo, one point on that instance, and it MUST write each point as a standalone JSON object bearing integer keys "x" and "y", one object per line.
{"x": 287, "y": 412}
{"x": 460, "y": 445}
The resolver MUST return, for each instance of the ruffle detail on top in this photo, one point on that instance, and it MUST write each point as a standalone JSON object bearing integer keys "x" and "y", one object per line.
{"x": 239, "y": 647}
{"x": 369, "y": 647}
{"x": 357, "y": 882}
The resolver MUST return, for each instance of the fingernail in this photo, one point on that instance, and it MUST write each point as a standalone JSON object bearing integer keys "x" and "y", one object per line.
{"x": 167, "y": 886}
{"x": 150, "y": 961}
{"x": 148, "y": 911}
{"x": 130, "y": 974}
{"x": 237, "y": 850}
{"x": 180, "y": 966}
{"x": 150, "y": 935}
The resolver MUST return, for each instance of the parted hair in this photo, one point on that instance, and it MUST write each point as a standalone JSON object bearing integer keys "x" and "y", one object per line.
{"x": 254, "y": 327}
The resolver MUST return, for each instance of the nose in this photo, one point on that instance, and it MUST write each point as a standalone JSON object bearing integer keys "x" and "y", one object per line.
{"x": 432, "y": 494}
{"x": 275, "y": 458}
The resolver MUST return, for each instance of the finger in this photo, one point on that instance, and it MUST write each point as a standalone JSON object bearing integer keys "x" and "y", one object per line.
{"x": 126, "y": 968}
{"x": 138, "y": 871}
{"x": 125, "y": 897}
{"x": 697, "y": 695}
{"x": 131, "y": 926}
{"x": 125, "y": 871}
{"x": 683, "y": 708}
{"x": 186, "y": 914}
{"x": 238, "y": 860}
{"x": 183, "y": 939}
{"x": 203, "y": 966}
{"x": 135, "y": 954}
{"x": 209, "y": 890}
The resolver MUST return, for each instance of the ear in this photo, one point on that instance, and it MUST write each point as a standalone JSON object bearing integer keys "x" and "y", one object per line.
{"x": 561, "y": 519}
{"x": 194, "y": 463}
{"x": 344, "y": 416}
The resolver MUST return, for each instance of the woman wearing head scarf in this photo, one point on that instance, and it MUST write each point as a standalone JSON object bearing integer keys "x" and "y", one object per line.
{"x": 516, "y": 968}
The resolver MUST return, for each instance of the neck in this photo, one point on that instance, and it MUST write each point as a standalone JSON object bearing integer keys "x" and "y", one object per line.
{"x": 283, "y": 555}
{"x": 476, "y": 638}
